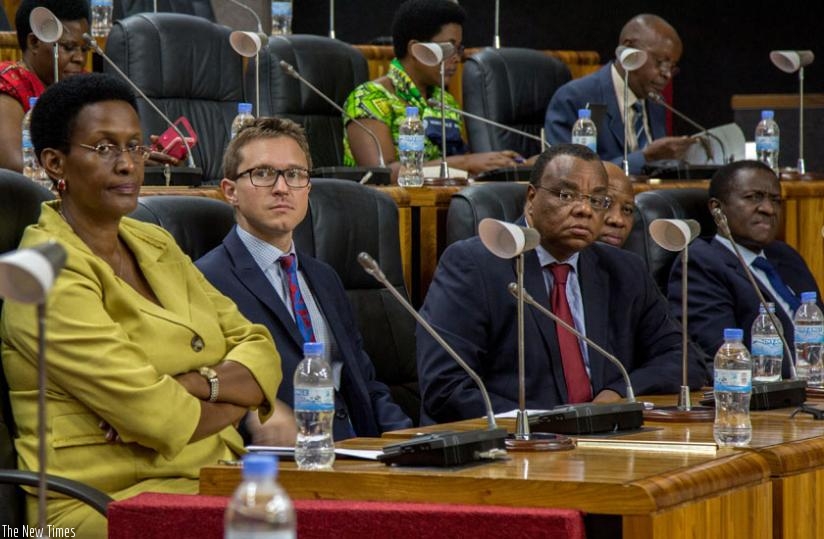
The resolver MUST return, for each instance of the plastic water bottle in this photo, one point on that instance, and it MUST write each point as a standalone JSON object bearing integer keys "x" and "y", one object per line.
{"x": 733, "y": 388}
{"x": 809, "y": 339}
{"x": 584, "y": 131}
{"x": 259, "y": 507}
{"x": 281, "y": 18}
{"x": 244, "y": 117}
{"x": 101, "y": 17}
{"x": 314, "y": 410}
{"x": 766, "y": 346}
{"x": 767, "y": 140}
{"x": 410, "y": 150}
{"x": 31, "y": 166}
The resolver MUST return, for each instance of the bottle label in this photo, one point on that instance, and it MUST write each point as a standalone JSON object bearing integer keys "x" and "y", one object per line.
{"x": 765, "y": 144}
{"x": 589, "y": 142}
{"x": 766, "y": 345}
{"x": 315, "y": 399}
{"x": 733, "y": 380}
{"x": 809, "y": 334}
{"x": 410, "y": 143}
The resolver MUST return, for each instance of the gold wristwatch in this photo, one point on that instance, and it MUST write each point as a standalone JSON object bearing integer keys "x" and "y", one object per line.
{"x": 214, "y": 384}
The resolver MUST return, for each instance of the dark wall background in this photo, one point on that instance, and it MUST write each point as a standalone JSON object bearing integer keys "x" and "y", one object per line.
{"x": 726, "y": 44}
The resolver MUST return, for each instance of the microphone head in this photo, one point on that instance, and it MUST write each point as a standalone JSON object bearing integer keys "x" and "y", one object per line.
{"x": 27, "y": 275}
{"x": 507, "y": 240}
{"x": 630, "y": 58}
{"x": 246, "y": 44}
{"x": 674, "y": 234}
{"x": 432, "y": 54}
{"x": 655, "y": 96}
{"x": 721, "y": 221}
{"x": 291, "y": 71}
{"x": 512, "y": 288}
{"x": 791, "y": 61}
{"x": 45, "y": 25}
{"x": 368, "y": 263}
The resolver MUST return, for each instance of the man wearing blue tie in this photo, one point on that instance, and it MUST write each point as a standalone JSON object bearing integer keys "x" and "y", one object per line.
{"x": 298, "y": 298}
{"x": 720, "y": 295}
{"x": 604, "y": 90}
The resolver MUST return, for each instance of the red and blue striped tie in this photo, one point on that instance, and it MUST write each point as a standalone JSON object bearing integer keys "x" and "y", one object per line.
{"x": 302, "y": 319}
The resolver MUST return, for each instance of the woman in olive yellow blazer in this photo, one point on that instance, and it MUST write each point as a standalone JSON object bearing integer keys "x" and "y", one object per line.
{"x": 130, "y": 324}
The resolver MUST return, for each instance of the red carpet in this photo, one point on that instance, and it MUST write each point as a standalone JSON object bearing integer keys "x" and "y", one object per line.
{"x": 172, "y": 516}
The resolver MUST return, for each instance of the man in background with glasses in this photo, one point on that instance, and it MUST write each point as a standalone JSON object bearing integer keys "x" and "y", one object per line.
{"x": 606, "y": 293}
{"x": 603, "y": 92}
{"x": 298, "y": 298}
{"x": 720, "y": 294}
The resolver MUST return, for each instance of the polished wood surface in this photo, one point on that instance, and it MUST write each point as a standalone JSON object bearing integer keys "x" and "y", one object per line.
{"x": 775, "y": 101}
{"x": 670, "y": 495}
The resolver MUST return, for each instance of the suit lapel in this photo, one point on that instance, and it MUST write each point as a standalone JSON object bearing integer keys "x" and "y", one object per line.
{"x": 614, "y": 119}
{"x": 595, "y": 295}
{"x": 251, "y": 276}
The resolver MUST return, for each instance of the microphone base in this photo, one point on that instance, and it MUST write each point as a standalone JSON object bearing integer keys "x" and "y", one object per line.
{"x": 177, "y": 176}
{"x": 772, "y": 395}
{"x": 540, "y": 441}
{"x": 447, "y": 449}
{"x": 673, "y": 414}
{"x": 589, "y": 418}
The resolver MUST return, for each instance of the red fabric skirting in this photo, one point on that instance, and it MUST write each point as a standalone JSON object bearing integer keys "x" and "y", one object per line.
{"x": 175, "y": 516}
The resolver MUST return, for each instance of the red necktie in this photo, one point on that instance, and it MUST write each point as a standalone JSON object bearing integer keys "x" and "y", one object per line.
{"x": 575, "y": 374}
{"x": 302, "y": 319}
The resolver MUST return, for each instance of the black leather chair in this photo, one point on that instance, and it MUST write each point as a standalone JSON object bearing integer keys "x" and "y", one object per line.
{"x": 20, "y": 200}
{"x": 198, "y": 224}
{"x": 187, "y": 67}
{"x": 333, "y": 66}
{"x": 666, "y": 204}
{"x": 470, "y": 206}
{"x": 513, "y": 87}
{"x": 200, "y": 8}
{"x": 344, "y": 219}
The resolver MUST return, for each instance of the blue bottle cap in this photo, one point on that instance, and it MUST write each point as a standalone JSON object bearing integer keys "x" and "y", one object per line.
{"x": 258, "y": 464}
{"x": 411, "y": 111}
{"x": 807, "y": 297}
{"x": 584, "y": 113}
{"x": 767, "y": 114}
{"x": 733, "y": 334}
{"x": 32, "y": 102}
{"x": 770, "y": 308}
{"x": 312, "y": 348}
{"x": 244, "y": 108}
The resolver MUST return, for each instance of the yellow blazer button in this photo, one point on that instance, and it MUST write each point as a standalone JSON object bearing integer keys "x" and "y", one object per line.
{"x": 197, "y": 343}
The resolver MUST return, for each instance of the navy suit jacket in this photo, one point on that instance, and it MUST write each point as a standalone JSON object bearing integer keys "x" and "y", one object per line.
{"x": 468, "y": 303}
{"x": 720, "y": 295}
{"x": 231, "y": 269}
{"x": 597, "y": 89}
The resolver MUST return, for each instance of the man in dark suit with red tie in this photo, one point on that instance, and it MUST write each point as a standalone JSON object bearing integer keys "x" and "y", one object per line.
{"x": 605, "y": 292}
{"x": 297, "y": 297}
{"x": 720, "y": 294}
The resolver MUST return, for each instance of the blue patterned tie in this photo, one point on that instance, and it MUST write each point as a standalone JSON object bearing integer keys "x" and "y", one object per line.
{"x": 777, "y": 283}
{"x": 302, "y": 319}
{"x": 638, "y": 124}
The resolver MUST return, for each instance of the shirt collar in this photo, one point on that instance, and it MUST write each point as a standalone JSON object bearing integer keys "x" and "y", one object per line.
{"x": 545, "y": 259}
{"x": 264, "y": 253}
{"x": 748, "y": 255}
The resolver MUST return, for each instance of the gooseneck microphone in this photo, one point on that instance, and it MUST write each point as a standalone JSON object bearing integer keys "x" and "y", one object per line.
{"x": 263, "y": 36}
{"x": 290, "y": 70}
{"x": 92, "y": 43}
{"x": 459, "y": 447}
{"x": 658, "y": 98}
{"x": 435, "y": 103}
{"x": 513, "y": 289}
{"x": 585, "y": 418}
{"x": 723, "y": 226}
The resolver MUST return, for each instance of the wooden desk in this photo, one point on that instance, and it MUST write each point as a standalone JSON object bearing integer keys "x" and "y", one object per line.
{"x": 423, "y": 211}
{"x": 658, "y": 495}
